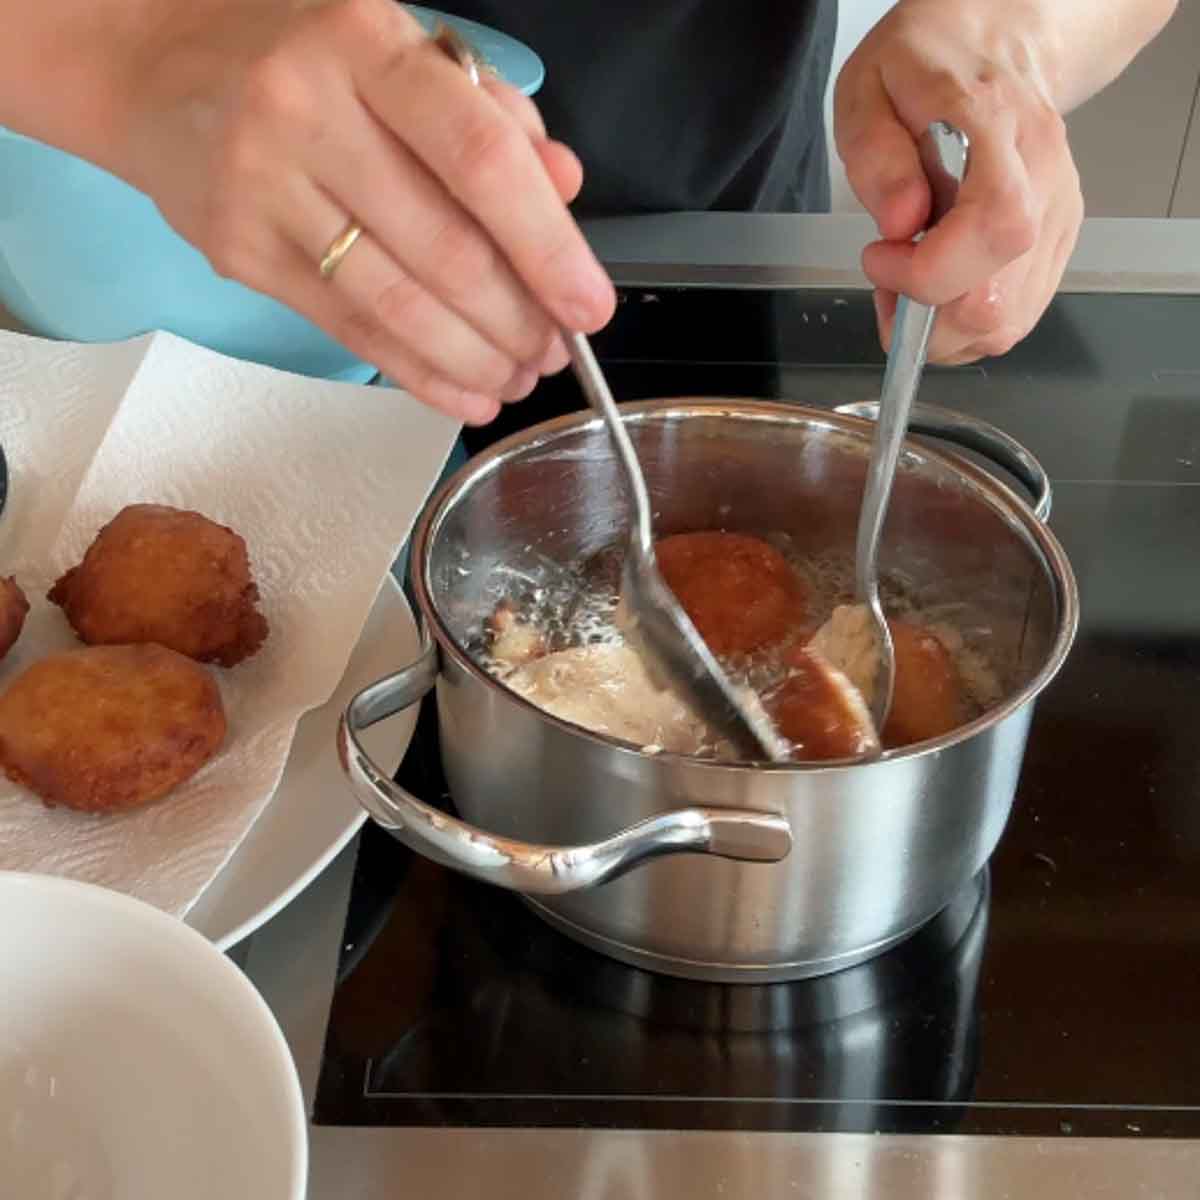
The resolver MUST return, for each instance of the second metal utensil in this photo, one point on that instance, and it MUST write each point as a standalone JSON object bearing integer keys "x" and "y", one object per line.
{"x": 944, "y": 157}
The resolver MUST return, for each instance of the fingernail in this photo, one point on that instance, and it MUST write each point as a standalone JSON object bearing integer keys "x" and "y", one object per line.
{"x": 555, "y": 358}
{"x": 523, "y": 381}
{"x": 580, "y": 316}
{"x": 589, "y": 307}
{"x": 475, "y": 408}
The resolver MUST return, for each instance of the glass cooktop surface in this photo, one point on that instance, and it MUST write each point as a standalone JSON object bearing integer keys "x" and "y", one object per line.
{"x": 1057, "y": 995}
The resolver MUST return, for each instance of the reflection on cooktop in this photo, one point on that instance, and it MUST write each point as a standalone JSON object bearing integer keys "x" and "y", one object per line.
{"x": 1088, "y": 391}
{"x": 1060, "y": 1000}
{"x": 457, "y": 1005}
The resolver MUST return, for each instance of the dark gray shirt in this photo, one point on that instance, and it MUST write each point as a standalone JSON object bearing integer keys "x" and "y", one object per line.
{"x": 683, "y": 104}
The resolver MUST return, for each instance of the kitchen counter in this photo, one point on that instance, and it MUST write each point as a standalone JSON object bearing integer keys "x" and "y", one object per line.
{"x": 768, "y": 250}
{"x": 293, "y": 958}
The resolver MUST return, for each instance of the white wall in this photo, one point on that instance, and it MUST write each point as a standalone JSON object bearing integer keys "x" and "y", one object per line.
{"x": 855, "y": 19}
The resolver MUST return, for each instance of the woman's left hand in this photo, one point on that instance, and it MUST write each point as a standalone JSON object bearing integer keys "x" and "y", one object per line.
{"x": 994, "y": 262}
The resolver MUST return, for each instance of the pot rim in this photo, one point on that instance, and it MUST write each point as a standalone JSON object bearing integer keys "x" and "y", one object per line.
{"x": 998, "y": 493}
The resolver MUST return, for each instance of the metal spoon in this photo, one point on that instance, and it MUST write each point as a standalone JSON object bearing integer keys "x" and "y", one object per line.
{"x": 651, "y": 618}
{"x": 943, "y": 152}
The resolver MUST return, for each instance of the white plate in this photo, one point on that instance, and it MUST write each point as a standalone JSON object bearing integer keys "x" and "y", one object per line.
{"x": 314, "y": 813}
{"x": 136, "y": 1061}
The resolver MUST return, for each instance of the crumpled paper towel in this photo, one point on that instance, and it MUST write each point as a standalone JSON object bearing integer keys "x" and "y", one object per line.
{"x": 324, "y": 481}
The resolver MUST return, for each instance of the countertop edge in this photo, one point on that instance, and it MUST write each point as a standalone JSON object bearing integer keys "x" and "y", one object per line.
{"x": 824, "y": 249}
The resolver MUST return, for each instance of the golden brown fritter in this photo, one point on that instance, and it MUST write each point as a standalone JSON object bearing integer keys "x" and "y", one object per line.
{"x": 739, "y": 591}
{"x": 108, "y": 728}
{"x": 165, "y": 575}
{"x": 819, "y": 711}
{"x": 13, "y": 607}
{"x": 928, "y": 698}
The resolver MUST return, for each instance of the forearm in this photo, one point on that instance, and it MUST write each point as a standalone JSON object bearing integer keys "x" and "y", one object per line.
{"x": 1075, "y": 47}
{"x": 76, "y": 73}
{"x": 64, "y": 67}
{"x": 1090, "y": 42}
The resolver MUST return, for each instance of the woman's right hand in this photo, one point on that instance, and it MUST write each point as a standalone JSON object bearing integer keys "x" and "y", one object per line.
{"x": 261, "y": 130}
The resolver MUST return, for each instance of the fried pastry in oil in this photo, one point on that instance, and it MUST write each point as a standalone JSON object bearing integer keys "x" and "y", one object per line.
{"x": 740, "y": 592}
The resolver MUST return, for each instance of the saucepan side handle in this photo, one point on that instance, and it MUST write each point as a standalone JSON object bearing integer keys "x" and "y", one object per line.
{"x": 972, "y": 434}
{"x": 741, "y": 834}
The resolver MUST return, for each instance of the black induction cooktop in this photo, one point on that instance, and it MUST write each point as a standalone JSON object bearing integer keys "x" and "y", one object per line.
{"x": 1059, "y": 994}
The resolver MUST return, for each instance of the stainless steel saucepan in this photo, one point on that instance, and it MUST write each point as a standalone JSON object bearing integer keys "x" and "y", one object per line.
{"x": 700, "y": 868}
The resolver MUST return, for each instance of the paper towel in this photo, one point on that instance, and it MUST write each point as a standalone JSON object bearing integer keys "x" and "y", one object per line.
{"x": 323, "y": 480}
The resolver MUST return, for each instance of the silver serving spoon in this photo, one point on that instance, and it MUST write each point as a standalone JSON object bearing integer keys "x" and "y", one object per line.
{"x": 943, "y": 152}
{"x": 650, "y": 616}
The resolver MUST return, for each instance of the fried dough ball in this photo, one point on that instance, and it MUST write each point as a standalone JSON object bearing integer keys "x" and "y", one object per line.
{"x": 739, "y": 591}
{"x": 165, "y": 575}
{"x": 13, "y": 607}
{"x": 105, "y": 729}
{"x": 820, "y": 711}
{"x": 928, "y": 698}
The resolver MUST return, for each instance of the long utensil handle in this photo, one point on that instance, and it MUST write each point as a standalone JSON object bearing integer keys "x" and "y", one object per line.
{"x": 906, "y": 359}
{"x": 583, "y": 361}
{"x": 599, "y": 396}
{"x": 943, "y": 151}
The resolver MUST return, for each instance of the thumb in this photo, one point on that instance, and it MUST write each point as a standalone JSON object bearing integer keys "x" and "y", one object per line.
{"x": 879, "y": 154}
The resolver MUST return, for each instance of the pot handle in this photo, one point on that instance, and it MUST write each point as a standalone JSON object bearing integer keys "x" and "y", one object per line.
{"x": 741, "y": 834}
{"x": 972, "y": 433}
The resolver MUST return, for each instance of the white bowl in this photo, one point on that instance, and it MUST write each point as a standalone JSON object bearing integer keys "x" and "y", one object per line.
{"x": 136, "y": 1061}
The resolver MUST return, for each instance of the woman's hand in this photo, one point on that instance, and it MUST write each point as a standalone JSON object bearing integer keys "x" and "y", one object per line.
{"x": 261, "y": 131}
{"x": 994, "y": 262}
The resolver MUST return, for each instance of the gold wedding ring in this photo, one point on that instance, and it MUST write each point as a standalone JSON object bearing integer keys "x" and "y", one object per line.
{"x": 461, "y": 51}
{"x": 339, "y": 248}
